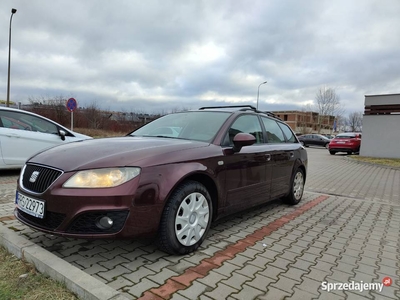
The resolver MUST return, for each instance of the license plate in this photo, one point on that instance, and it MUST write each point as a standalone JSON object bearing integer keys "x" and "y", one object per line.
{"x": 33, "y": 207}
{"x": 341, "y": 142}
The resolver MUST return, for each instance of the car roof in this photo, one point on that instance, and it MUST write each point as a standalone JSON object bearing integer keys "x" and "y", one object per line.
{"x": 17, "y": 110}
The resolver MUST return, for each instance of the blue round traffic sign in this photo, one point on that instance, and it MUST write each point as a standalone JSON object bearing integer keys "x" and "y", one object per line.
{"x": 71, "y": 104}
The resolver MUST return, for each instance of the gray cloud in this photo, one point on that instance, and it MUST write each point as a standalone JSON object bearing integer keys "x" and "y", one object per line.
{"x": 160, "y": 55}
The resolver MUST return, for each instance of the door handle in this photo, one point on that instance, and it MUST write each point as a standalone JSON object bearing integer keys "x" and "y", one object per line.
{"x": 268, "y": 157}
{"x": 13, "y": 135}
{"x": 291, "y": 154}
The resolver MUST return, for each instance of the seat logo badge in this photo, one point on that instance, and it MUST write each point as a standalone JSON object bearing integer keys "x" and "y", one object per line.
{"x": 34, "y": 176}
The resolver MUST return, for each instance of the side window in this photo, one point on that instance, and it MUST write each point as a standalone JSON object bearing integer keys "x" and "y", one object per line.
{"x": 246, "y": 124}
{"x": 288, "y": 133}
{"x": 21, "y": 121}
{"x": 274, "y": 132}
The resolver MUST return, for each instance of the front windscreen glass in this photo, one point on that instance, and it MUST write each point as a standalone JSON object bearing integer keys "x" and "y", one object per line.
{"x": 194, "y": 125}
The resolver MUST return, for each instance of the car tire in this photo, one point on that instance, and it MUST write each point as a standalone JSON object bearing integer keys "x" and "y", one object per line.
{"x": 186, "y": 219}
{"x": 302, "y": 143}
{"x": 326, "y": 145}
{"x": 296, "y": 188}
{"x": 332, "y": 152}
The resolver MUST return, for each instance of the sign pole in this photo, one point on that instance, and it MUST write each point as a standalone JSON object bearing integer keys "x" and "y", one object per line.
{"x": 72, "y": 120}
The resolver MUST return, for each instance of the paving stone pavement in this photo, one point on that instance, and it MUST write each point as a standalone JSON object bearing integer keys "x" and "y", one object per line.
{"x": 345, "y": 231}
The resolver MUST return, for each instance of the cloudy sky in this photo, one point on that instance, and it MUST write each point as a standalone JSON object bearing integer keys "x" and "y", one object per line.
{"x": 153, "y": 55}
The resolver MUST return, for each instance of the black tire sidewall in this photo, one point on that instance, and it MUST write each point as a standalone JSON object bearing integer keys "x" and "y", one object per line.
{"x": 167, "y": 237}
{"x": 290, "y": 199}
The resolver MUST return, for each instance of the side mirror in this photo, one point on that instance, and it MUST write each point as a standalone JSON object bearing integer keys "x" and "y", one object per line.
{"x": 242, "y": 139}
{"x": 62, "y": 134}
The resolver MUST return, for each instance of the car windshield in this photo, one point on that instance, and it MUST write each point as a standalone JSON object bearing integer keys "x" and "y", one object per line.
{"x": 194, "y": 125}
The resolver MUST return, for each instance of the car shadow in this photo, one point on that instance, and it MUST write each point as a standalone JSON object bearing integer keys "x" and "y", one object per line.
{"x": 131, "y": 250}
{"x": 12, "y": 172}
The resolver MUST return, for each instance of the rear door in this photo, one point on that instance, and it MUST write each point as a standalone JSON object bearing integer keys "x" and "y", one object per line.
{"x": 282, "y": 156}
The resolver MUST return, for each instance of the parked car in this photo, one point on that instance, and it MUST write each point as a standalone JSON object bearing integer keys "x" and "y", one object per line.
{"x": 23, "y": 134}
{"x": 224, "y": 160}
{"x": 314, "y": 140}
{"x": 348, "y": 142}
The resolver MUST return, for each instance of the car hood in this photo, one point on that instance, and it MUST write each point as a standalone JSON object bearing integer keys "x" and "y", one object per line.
{"x": 113, "y": 152}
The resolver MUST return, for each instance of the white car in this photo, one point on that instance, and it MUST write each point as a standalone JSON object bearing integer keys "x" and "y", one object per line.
{"x": 23, "y": 134}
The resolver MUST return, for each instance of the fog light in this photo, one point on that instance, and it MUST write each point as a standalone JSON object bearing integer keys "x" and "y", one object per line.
{"x": 104, "y": 223}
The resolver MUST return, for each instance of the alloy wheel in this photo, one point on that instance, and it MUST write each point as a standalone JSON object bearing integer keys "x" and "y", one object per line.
{"x": 298, "y": 186}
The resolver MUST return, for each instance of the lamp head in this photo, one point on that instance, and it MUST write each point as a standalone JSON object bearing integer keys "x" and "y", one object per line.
{"x": 13, "y": 11}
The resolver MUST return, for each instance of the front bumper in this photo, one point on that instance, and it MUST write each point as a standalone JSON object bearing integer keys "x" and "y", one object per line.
{"x": 75, "y": 213}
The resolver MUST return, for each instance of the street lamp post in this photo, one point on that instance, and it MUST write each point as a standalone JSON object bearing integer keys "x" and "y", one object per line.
{"x": 13, "y": 11}
{"x": 258, "y": 92}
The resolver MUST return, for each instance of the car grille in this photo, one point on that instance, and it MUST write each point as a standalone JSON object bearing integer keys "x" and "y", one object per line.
{"x": 86, "y": 223}
{"x": 50, "y": 221}
{"x": 37, "y": 178}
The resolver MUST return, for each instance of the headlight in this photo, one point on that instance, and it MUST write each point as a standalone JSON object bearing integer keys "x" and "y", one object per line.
{"x": 101, "y": 178}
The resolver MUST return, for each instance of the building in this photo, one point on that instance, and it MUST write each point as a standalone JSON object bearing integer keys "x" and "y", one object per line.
{"x": 303, "y": 122}
{"x": 381, "y": 126}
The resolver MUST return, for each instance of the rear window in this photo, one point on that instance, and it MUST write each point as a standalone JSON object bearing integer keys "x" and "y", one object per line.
{"x": 346, "y": 136}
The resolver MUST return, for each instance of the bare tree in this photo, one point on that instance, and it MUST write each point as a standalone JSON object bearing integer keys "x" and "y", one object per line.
{"x": 52, "y": 107}
{"x": 327, "y": 105}
{"x": 340, "y": 123}
{"x": 97, "y": 119}
{"x": 354, "y": 121}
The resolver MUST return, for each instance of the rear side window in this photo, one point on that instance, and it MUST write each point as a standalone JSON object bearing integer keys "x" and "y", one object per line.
{"x": 273, "y": 131}
{"x": 288, "y": 133}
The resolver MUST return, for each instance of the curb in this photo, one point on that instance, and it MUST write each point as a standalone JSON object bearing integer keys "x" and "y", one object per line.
{"x": 76, "y": 280}
{"x": 370, "y": 164}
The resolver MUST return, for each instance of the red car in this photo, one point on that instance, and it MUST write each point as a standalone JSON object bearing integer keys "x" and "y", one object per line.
{"x": 172, "y": 177}
{"x": 348, "y": 142}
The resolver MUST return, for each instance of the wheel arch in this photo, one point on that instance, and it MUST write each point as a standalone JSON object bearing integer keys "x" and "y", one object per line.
{"x": 208, "y": 183}
{"x": 300, "y": 165}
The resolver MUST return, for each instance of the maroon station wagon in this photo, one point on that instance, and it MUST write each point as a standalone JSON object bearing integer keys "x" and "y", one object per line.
{"x": 170, "y": 178}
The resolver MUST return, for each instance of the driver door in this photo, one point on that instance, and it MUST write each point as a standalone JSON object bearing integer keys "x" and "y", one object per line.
{"x": 247, "y": 175}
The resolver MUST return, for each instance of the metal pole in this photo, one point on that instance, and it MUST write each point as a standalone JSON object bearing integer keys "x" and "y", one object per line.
{"x": 13, "y": 11}
{"x": 258, "y": 92}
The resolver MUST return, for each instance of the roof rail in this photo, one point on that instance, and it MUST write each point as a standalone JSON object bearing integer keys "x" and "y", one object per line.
{"x": 229, "y": 106}
{"x": 243, "y": 108}
{"x": 271, "y": 114}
